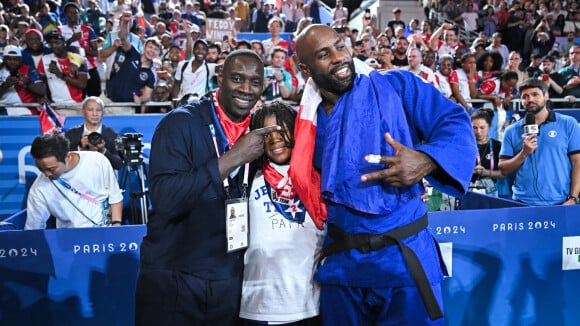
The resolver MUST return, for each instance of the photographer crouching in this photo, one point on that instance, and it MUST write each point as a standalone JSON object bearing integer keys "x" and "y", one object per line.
{"x": 93, "y": 135}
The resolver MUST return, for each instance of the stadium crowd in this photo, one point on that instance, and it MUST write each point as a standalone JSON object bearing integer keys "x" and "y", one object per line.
{"x": 63, "y": 52}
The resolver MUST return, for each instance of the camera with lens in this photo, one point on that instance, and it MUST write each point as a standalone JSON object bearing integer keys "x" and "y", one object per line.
{"x": 94, "y": 138}
{"x": 130, "y": 146}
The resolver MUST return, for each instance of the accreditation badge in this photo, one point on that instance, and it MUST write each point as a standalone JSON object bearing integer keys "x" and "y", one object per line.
{"x": 236, "y": 224}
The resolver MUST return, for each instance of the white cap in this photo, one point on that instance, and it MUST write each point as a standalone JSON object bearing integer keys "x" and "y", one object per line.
{"x": 12, "y": 51}
{"x": 195, "y": 28}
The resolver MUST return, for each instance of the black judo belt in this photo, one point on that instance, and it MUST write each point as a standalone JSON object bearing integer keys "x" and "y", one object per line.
{"x": 366, "y": 243}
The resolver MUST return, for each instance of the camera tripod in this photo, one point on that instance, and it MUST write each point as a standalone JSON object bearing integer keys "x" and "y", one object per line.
{"x": 139, "y": 201}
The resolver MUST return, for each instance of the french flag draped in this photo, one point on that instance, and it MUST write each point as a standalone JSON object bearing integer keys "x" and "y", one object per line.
{"x": 50, "y": 121}
{"x": 305, "y": 178}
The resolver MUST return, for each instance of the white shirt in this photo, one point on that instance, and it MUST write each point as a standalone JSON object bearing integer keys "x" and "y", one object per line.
{"x": 194, "y": 82}
{"x": 280, "y": 263}
{"x": 93, "y": 176}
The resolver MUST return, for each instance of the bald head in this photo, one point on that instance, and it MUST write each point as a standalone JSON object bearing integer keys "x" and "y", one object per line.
{"x": 307, "y": 38}
{"x": 325, "y": 58}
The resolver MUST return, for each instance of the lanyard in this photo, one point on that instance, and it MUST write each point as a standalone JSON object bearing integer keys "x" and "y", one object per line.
{"x": 212, "y": 129}
{"x": 491, "y": 163}
{"x": 83, "y": 196}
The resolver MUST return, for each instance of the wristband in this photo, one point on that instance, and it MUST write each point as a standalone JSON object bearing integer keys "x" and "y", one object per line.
{"x": 116, "y": 222}
{"x": 576, "y": 199}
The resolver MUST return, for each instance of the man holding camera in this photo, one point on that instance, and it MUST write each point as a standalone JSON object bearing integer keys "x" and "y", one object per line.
{"x": 92, "y": 135}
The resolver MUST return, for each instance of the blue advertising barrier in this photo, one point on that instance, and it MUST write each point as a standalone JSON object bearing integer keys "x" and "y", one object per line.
{"x": 17, "y": 169}
{"x": 510, "y": 266}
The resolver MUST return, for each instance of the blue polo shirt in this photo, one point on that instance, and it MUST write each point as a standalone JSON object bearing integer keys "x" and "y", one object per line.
{"x": 544, "y": 177}
{"x": 128, "y": 76}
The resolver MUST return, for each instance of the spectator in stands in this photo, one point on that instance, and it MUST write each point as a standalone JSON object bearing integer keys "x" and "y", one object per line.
{"x": 275, "y": 26}
{"x": 65, "y": 74}
{"x": 426, "y": 31}
{"x": 489, "y": 20}
{"x": 81, "y": 137}
{"x": 572, "y": 23}
{"x": 400, "y": 58}
{"x": 193, "y": 76}
{"x": 78, "y": 188}
{"x": 164, "y": 12}
{"x": 554, "y": 81}
{"x": 571, "y": 74}
{"x": 396, "y": 21}
{"x": 260, "y": 17}
{"x": 533, "y": 157}
{"x": 557, "y": 9}
{"x": 450, "y": 42}
{"x": 497, "y": 46}
{"x": 161, "y": 93}
{"x": 48, "y": 20}
{"x": 534, "y": 68}
{"x": 430, "y": 59}
{"x": 513, "y": 34}
{"x": 242, "y": 8}
{"x": 258, "y": 48}
{"x": 84, "y": 39}
{"x": 24, "y": 16}
{"x": 198, "y": 11}
{"x": 243, "y": 44}
{"x": 442, "y": 76}
{"x": 463, "y": 81}
{"x": 564, "y": 47}
{"x": 386, "y": 58}
{"x": 95, "y": 17}
{"x": 213, "y": 53}
{"x": 132, "y": 77}
{"x": 189, "y": 15}
{"x": 186, "y": 186}
{"x": 172, "y": 59}
{"x": 477, "y": 47}
{"x": 500, "y": 91}
{"x": 277, "y": 81}
{"x": 469, "y": 18}
{"x": 503, "y": 16}
{"x": 542, "y": 39}
{"x": 339, "y": 12}
{"x": 415, "y": 59}
{"x": 411, "y": 27}
{"x": 19, "y": 83}
{"x": 390, "y": 33}
{"x": 486, "y": 170}
{"x": 488, "y": 64}
{"x": 514, "y": 62}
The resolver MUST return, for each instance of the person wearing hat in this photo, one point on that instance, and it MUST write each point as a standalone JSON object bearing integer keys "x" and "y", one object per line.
{"x": 19, "y": 83}
{"x": 396, "y": 21}
{"x": 84, "y": 39}
{"x": 65, "y": 74}
{"x": 132, "y": 76}
{"x": 553, "y": 80}
{"x": 193, "y": 76}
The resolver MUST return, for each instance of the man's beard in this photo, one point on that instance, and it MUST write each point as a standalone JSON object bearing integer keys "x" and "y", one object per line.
{"x": 327, "y": 81}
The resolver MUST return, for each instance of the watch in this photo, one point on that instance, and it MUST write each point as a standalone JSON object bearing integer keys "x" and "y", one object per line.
{"x": 576, "y": 199}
